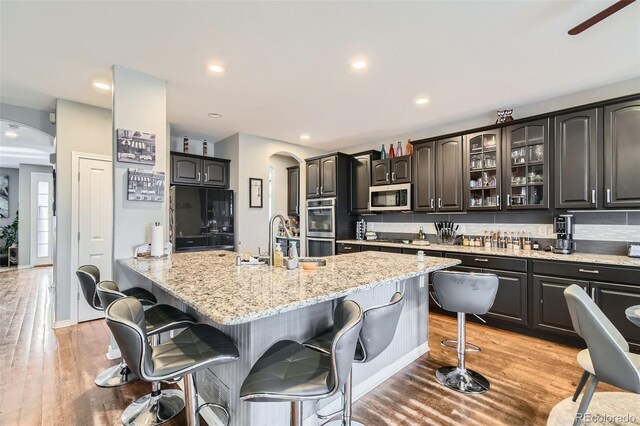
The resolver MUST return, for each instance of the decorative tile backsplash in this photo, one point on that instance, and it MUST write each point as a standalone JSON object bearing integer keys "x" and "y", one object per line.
{"x": 595, "y": 231}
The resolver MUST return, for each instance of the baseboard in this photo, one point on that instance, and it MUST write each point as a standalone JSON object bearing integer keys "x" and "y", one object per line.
{"x": 63, "y": 323}
{"x": 113, "y": 353}
{"x": 369, "y": 384}
{"x": 25, "y": 266}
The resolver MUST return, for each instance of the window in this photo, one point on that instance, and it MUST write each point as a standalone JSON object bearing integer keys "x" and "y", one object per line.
{"x": 42, "y": 225}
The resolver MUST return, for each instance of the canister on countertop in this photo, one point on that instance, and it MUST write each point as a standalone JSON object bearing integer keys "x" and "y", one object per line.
{"x": 420, "y": 256}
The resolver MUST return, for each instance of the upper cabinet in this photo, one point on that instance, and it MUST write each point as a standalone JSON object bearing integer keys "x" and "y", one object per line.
{"x": 293, "y": 191}
{"x": 622, "y": 154}
{"x": 391, "y": 171}
{"x": 483, "y": 170}
{"x": 361, "y": 180}
{"x": 189, "y": 169}
{"x": 438, "y": 170}
{"x": 326, "y": 174}
{"x": 578, "y": 151}
{"x": 527, "y": 165}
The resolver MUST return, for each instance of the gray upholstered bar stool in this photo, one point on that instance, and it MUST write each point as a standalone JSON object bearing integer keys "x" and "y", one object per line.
{"x": 464, "y": 293}
{"x": 289, "y": 371}
{"x": 89, "y": 277}
{"x": 160, "y": 405}
{"x": 197, "y": 348}
{"x": 607, "y": 358}
{"x": 378, "y": 329}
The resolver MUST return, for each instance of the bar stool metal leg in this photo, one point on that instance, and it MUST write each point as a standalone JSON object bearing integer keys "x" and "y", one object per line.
{"x": 157, "y": 407}
{"x": 347, "y": 405}
{"x": 296, "y": 413}
{"x": 115, "y": 376}
{"x": 459, "y": 378}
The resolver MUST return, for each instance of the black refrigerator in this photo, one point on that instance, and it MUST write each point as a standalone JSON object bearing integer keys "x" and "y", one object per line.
{"x": 201, "y": 218}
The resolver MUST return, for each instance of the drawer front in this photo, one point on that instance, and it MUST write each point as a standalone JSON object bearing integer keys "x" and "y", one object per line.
{"x": 369, "y": 248}
{"x": 586, "y": 271}
{"x": 428, "y": 253}
{"x": 348, "y": 248}
{"x": 188, "y": 243}
{"x": 391, "y": 249}
{"x": 490, "y": 262}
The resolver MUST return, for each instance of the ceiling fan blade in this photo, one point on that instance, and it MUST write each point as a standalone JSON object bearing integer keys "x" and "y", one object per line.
{"x": 600, "y": 16}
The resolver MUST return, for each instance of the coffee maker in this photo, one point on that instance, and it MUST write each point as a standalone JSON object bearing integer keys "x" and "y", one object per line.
{"x": 563, "y": 227}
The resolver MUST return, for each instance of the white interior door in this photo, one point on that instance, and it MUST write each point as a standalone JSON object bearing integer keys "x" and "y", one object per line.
{"x": 95, "y": 223}
{"x": 41, "y": 219}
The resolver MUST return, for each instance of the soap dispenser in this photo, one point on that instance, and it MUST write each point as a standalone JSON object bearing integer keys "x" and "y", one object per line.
{"x": 278, "y": 257}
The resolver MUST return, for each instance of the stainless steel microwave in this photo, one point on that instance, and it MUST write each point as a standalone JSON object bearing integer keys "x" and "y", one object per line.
{"x": 390, "y": 197}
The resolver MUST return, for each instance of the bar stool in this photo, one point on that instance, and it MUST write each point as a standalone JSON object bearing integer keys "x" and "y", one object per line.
{"x": 160, "y": 405}
{"x": 378, "y": 329}
{"x": 89, "y": 277}
{"x": 464, "y": 293}
{"x": 197, "y": 348}
{"x": 289, "y": 371}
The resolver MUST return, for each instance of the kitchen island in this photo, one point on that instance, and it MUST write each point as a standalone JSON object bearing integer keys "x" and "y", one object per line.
{"x": 259, "y": 305}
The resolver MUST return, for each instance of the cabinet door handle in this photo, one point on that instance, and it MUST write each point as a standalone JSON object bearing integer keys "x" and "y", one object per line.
{"x": 198, "y": 178}
{"x": 432, "y": 203}
{"x": 393, "y": 176}
{"x": 347, "y": 248}
{"x": 386, "y": 176}
{"x": 608, "y": 195}
{"x": 479, "y": 259}
{"x": 439, "y": 202}
{"x": 593, "y": 196}
{"x": 593, "y": 294}
{"x": 589, "y": 271}
{"x": 206, "y": 177}
{"x": 317, "y": 190}
{"x": 320, "y": 190}
{"x": 508, "y": 199}
{"x": 498, "y": 200}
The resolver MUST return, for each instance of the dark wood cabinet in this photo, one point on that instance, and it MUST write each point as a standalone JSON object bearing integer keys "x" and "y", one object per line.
{"x": 390, "y": 249}
{"x": 313, "y": 178}
{"x": 187, "y": 169}
{"x": 322, "y": 174}
{"x": 512, "y": 301}
{"x": 483, "y": 170}
{"x": 526, "y": 165}
{"x": 613, "y": 300}
{"x": 622, "y": 154}
{"x": 424, "y": 185}
{"x": 293, "y": 191}
{"x": 550, "y": 307}
{"x": 216, "y": 173}
{"x": 391, "y": 170}
{"x": 344, "y": 248}
{"x": 578, "y": 151}
{"x": 361, "y": 180}
{"x": 449, "y": 175}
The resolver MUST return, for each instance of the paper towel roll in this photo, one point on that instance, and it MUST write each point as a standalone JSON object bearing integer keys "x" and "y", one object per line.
{"x": 157, "y": 241}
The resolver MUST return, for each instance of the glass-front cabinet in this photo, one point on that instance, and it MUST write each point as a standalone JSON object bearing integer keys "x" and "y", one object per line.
{"x": 483, "y": 177}
{"x": 527, "y": 165}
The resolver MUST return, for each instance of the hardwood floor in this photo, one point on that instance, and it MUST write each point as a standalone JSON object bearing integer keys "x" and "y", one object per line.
{"x": 46, "y": 376}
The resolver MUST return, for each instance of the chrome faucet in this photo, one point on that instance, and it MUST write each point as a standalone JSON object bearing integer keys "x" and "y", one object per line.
{"x": 283, "y": 220}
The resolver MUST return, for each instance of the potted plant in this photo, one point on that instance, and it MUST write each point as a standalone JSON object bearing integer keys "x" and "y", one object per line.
{"x": 8, "y": 238}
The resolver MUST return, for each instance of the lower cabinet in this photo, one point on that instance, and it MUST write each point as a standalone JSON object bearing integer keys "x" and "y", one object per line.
{"x": 391, "y": 249}
{"x": 550, "y": 307}
{"x": 614, "y": 299}
{"x": 344, "y": 248}
{"x": 511, "y": 304}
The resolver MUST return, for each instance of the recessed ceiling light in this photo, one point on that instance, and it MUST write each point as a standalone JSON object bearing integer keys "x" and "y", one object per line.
{"x": 218, "y": 69}
{"x": 422, "y": 101}
{"x": 11, "y": 134}
{"x": 214, "y": 115}
{"x": 305, "y": 136}
{"x": 359, "y": 65}
{"x": 101, "y": 85}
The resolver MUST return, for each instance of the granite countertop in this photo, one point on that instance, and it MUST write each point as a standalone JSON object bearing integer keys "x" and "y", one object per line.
{"x": 603, "y": 259}
{"x": 212, "y": 284}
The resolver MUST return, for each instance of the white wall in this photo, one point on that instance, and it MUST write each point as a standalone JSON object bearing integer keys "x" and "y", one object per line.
{"x": 627, "y": 87}
{"x": 80, "y": 128}
{"x": 253, "y": 161}
{"x": 24, "y": 206}
{"x": 280, "y": 193}
{"x": 139, "y": 103}
{"x": 13, "y": 194}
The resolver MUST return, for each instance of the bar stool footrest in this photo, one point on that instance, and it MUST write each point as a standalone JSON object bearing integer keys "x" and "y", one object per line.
{"x": 453, "y": 344}
{"x": 218, "y": 406}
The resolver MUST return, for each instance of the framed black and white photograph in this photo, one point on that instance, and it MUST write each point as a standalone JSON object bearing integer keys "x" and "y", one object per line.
{"x": 4, "y": 196}
{"x": 145, "y": 185}
{"x": 136, "y": 147}
{"x": 255, "y": 193}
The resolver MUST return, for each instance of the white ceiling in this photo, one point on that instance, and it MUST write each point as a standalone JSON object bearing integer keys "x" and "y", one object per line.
{"x": 288, "y": 63}
{"x": 31, "y": 146}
